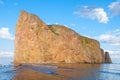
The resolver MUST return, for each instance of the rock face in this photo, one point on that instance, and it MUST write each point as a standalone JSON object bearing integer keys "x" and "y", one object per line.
{"x": 107, "y": 58}
{"x": 37, "y": 42}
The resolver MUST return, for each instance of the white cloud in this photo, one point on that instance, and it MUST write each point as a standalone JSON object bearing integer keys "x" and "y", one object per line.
{"x": 93, "y": 13}
{"x": 112, "y": 38}
{"x": 5, "y": 34}
{"x": 114, "y": 7}
{"x": 1, "y": 2}
{"x": 6, "y": 54}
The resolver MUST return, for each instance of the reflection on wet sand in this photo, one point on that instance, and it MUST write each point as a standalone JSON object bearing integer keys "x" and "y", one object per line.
{"x": 60, "y": 72}
{"x": 77, "y": 71}
{"x": 56, "y": 72}
{"x": 28, "y": 74}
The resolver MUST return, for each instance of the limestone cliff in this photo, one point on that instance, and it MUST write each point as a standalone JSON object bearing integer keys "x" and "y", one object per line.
{"x": 37, "y": 42}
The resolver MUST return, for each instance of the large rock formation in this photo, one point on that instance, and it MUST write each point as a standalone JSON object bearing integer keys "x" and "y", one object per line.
{"x": 37, "y": 42}
{"x": 107, "y": 58}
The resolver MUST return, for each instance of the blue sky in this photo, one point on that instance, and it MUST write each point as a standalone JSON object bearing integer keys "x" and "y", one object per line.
{"x": 92, "y": 18}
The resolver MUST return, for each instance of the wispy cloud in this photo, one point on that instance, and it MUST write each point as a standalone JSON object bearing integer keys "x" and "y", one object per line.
{"x": 114, "y": 8}
{"x": 112, "y": 38}
{"x": 1, "y": 2}
{"x": 93, "y": 13}
{"x": 6, "y": 54}
{"x": 5, "y": 34}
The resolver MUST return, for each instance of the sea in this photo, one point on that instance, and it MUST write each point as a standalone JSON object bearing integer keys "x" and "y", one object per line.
{"x": 60, "y": 72}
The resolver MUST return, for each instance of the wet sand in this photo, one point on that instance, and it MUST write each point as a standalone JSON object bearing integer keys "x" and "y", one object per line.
{"x": 62, "y": 72}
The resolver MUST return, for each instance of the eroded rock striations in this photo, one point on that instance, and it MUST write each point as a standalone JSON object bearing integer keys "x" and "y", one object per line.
{"x": 37, "y": 42}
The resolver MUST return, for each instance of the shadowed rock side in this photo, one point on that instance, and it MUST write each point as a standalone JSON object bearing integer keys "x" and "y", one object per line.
{"x": 103, "y": 54}
{"x": 36, "y": 42}
{"x": 107, "y": 58}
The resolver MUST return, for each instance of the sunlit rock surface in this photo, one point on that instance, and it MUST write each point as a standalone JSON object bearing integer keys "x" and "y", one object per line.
{"x": 37, "y": 42}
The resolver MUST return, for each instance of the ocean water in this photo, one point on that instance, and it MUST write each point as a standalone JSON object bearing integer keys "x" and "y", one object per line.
{"x": 60, "y": 72}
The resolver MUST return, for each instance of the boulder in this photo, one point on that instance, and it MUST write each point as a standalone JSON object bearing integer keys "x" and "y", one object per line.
{"x": 37, "y": 42}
